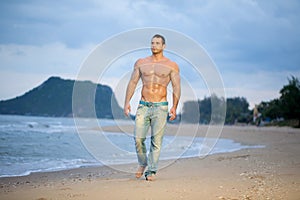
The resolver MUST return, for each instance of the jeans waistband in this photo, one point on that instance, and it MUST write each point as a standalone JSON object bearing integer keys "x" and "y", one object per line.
{"x": 151, "y": 104}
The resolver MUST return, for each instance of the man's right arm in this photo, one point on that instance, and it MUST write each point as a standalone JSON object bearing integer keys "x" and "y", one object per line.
{"x": 135, "y": 76}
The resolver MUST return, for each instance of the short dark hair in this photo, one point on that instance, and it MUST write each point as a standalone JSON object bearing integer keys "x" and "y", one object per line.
{"x": 160, "y": 36}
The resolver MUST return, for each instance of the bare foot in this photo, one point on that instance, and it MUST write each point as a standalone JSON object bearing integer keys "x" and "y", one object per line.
{"x": 140, "y": 172}
{"x": 151, "y": 177}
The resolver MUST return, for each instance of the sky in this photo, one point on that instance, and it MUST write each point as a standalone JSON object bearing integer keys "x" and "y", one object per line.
{"x": 255, "y": 45}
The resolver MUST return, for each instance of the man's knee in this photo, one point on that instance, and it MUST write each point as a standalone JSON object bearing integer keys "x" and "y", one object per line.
{"x": 139, "y": 142}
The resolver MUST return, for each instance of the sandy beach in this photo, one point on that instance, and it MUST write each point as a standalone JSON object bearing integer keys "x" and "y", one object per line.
{"x": 272, "y": 172}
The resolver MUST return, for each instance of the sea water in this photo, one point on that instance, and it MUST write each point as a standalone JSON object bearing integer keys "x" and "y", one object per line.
{"x": 41, "y": 144}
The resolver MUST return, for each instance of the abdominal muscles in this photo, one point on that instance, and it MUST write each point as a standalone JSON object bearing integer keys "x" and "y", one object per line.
{"x": 154, "y": 93}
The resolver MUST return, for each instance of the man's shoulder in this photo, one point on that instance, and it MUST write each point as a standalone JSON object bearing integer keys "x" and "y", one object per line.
{"x": 174, "y": 66}
{"x": 142, "y": 61}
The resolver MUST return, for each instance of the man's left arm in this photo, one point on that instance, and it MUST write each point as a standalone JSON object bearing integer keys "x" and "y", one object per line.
{"x": 175, "y": 79}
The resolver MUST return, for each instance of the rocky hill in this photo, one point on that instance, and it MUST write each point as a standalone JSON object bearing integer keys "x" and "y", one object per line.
{"x": 54, "y": 98}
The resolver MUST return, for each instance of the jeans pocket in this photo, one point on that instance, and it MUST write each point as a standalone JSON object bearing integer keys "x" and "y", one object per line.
{"x": 163, "y": 108}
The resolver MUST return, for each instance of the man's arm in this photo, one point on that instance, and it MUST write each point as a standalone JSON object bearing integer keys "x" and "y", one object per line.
{"x": 135, "y": 76}
{"x": 175, "y": 79}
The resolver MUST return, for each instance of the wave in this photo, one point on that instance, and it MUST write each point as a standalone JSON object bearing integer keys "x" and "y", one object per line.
{"x": 39, "y": 144}
{"x": 46, "y": 165}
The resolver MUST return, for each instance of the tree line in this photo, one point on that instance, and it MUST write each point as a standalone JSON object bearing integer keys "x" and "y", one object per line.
{"x": 283, "y": 109}
{"x": 286, "y": 108}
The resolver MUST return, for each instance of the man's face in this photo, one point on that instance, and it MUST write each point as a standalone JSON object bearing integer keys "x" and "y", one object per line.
{"x": 157, "y": 45}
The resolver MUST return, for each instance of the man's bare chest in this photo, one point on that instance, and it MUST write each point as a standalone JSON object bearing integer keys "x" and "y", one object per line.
{"x": 155, "y": 70}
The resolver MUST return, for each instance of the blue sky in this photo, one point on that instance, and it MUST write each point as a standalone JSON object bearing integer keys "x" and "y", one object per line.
{"x": 254, "y": 44}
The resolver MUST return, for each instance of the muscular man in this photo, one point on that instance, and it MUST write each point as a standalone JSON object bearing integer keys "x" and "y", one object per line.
{"x": 156, "y": 72}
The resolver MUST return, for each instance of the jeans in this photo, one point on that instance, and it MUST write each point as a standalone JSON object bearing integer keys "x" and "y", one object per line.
{"x": 154, "y": 116}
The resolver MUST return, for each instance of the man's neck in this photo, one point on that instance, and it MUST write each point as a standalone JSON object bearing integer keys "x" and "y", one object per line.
{"x": 157, "y": 57}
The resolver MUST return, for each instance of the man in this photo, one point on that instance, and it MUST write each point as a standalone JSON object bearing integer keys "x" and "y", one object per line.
{"x": 156, "y": 72}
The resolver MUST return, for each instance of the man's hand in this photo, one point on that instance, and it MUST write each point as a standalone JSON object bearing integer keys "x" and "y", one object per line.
{"x": 172, "y": 114}
{"x": 127, "y": 109}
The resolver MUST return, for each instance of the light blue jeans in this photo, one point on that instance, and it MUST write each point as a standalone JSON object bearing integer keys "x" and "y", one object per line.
{"x": 155, "y": 117}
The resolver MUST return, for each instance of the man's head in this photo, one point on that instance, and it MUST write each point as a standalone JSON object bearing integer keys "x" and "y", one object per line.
{"x": 161, "y": 37}
{"x": 158, "y": 44}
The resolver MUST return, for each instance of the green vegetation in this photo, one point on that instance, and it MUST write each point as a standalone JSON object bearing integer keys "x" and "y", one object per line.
{"x": 284, "y": 111}
{"x": 200, "y": 112}
{"x": 54, "y": 98}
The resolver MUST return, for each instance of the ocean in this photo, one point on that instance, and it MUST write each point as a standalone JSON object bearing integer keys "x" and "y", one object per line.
{"x": 41, "y": 144}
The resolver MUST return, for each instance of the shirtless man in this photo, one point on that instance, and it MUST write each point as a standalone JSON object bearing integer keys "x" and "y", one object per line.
{"x": 156, "y": 72}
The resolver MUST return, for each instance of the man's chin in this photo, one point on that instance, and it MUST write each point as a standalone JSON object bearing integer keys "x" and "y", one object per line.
{"x": 155, "y": 52}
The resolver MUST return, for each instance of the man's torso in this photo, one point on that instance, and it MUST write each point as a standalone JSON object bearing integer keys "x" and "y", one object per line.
{"x": 155, "y": 77}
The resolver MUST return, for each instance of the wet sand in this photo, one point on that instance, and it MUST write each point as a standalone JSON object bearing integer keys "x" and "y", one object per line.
{"x": 272, "y": 172}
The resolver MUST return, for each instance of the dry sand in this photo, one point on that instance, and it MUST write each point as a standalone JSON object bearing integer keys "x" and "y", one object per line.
{"x": 272, "y": 172}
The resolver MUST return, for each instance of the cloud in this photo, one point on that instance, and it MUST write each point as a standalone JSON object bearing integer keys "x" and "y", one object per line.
{"x": 257, "y": 41}
{"x": 75, "y": 23}
{"x": 254, "y": 32}
{"x": 49, "y": 59}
